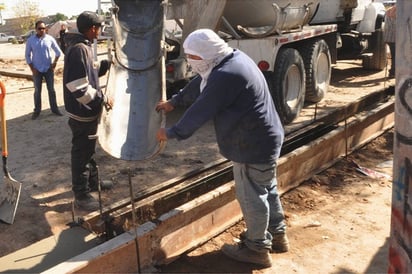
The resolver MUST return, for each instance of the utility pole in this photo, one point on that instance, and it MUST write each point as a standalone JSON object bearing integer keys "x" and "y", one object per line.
{"x": 101, "y": 3}
{"x": 1, "y": 17}
{"x": 400, "y": 242}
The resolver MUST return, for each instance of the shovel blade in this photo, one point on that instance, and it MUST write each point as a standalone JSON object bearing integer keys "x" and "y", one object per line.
{"x": 9, "y": 198}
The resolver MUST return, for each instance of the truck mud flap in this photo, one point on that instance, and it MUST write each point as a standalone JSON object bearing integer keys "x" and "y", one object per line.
{"x": 128, "y": 130}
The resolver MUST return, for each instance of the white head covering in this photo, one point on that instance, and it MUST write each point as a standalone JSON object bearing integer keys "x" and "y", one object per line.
{"x": 206, "y": 44}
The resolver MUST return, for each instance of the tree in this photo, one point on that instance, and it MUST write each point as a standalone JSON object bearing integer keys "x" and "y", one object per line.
{"x": 60, "y": 17}
{"x": 28, "y": 11}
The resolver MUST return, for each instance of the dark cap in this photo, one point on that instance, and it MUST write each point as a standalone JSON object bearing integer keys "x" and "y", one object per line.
{"x": 87, "y": 19}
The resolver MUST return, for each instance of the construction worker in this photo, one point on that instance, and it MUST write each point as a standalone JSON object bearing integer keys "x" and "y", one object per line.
{"x": 83, "y": 100}
{"x": 233, "y": 92}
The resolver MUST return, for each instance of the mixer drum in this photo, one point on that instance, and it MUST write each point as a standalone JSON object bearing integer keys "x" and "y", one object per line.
{"x": 260, "y": 18}
{"x": 128, "y": 130}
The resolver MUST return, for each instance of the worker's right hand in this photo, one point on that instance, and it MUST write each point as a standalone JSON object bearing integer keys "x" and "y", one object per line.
{"x": 166, "y": 106}
{"x": 161, "y": 135}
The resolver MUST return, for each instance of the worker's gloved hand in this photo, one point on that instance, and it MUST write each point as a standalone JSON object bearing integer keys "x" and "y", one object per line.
{"x": 104, "y": 67}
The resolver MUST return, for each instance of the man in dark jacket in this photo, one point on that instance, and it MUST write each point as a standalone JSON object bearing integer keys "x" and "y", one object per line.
{"x": 83, "y": 101}
{"x": 233, "y": 92}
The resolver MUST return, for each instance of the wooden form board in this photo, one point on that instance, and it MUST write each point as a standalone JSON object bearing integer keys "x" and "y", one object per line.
{"x": 174, "y": 233}
{"x": 195, "y": 222}
{"x": 306, "y": 161}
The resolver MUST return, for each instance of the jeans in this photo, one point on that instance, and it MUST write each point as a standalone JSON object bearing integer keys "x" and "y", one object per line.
{"x": 256, "y": 192}
{"x": 84, "y": 168}
{"x": 37, "y": 80}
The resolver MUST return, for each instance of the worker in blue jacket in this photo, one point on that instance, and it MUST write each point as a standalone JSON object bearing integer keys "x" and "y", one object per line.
{"x": 231, "y": 90}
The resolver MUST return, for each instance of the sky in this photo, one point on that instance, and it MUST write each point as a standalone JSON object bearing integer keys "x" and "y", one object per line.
{"x": 51, "y": 7}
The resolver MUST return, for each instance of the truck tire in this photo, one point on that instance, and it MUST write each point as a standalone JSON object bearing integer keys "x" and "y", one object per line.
{"x": 378, "y": 60}
{"x": 287, "y": 84}
{"x": 316, "y": 57}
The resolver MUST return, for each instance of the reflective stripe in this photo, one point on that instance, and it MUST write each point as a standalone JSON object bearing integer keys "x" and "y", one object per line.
{"x": 75, "y": 85}
{"x": 88, "y": 96}
{"x": 82, "y": 119}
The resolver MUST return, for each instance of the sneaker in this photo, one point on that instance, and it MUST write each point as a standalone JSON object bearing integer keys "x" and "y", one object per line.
{"x": 280, "y": 243}
{"x": 104, "y": 185}
{"x": 240, "y": 252}
{"x": 86, "y": 202}
{"x": 35, "y": 115}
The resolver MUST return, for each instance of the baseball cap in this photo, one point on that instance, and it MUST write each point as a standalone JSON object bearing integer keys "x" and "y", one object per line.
{"x": 87, "y": 19}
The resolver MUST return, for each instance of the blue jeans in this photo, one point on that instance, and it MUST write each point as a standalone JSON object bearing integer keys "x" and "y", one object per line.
{"x": 256, "y": 191}
{"x": 37, "y": 80}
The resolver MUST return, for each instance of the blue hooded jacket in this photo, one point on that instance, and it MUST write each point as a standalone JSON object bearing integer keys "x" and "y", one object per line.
{"x": 237, "y": 98}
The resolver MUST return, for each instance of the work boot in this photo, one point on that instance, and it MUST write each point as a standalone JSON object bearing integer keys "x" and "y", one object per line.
{"x": 104, "y": 185}
{"x": 280, "y": 243}
{"x": 240, "y": 252}
{"x": 86, "y": 202}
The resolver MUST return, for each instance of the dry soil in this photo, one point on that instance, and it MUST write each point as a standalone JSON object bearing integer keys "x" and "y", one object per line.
{"x": 338, "y": 221}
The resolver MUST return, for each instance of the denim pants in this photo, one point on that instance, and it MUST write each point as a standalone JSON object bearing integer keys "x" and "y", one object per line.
{"x": 37, "y": 80}
{"x": 256, "y": 192}
{"x": 84, "y": 169}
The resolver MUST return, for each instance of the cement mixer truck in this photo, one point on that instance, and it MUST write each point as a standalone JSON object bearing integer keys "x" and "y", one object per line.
{"x": 293, "y": 42}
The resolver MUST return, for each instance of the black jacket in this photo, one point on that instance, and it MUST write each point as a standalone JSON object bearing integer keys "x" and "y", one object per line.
{"x": 83, "y": 98}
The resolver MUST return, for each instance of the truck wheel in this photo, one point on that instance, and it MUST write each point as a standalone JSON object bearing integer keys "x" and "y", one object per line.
{"x": 287, "y": 84}
{"x": 379, "y": 57}
{"x": 316, "y": 57}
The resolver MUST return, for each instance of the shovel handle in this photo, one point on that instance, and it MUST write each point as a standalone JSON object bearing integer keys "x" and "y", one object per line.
{"x": 3, "y": 120}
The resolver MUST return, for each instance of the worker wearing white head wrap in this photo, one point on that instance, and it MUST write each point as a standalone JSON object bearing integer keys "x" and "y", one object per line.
{"x": 207, "y": 45}
{"x": 248, "y": 130}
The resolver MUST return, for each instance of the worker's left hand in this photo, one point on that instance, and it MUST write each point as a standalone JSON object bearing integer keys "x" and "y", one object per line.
{"x": 161, "y": 135}
{"x": 108, "y": 102}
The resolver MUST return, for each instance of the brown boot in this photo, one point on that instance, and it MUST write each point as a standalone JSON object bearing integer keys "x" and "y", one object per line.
{"x": 280, "y": 243}
{"x": 240, "y": 252}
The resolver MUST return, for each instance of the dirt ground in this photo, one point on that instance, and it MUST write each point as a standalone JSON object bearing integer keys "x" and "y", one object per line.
{"x": 338, "y": 221}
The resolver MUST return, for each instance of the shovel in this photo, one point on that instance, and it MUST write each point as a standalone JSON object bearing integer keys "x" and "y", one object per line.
{"x": 9, "y": 188}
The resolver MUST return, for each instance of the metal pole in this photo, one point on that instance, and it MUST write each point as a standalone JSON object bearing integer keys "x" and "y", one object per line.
{"x": 134, "y": 220}
{"x": 400, "y": 242}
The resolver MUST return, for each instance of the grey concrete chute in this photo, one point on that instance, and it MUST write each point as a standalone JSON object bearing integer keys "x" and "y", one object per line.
{"x": 128, "y": 130}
